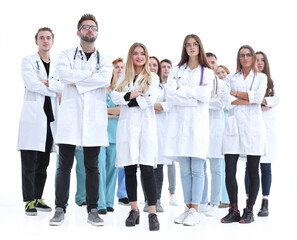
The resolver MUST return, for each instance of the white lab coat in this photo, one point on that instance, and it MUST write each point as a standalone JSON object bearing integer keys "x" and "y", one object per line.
{"x": 188, "y": 121}
{"x": 270, "y": 126}
{"x": 216, "y": 122}
{"x": 33, "y": 121}
{"x": 137, "y": 130}
{"x": 161, "y": 119}
{"x": 244, "y": 132}
{"x": 83, "y": 112}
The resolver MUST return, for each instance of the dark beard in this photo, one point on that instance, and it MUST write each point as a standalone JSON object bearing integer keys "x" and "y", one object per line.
{"x": 87, "y": 39}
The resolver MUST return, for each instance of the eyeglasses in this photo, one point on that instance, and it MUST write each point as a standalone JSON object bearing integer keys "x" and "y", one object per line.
{"x": 189, "y": 45}
{"x": 248, "y": 55}
{"x": 87, "y": 27}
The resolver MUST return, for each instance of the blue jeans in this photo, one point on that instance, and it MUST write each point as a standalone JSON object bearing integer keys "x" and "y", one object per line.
{"x": 80, "y": 195}
{"x": 192, "y": 178}
{"x": 121, "y": 192}
{"x": 216, "y": 179}
{"x": 108, "y": 176}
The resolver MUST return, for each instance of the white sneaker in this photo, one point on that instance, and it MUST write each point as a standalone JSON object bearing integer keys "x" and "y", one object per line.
{"x": 180, "y": 219}
{"x": 193, "y": 218}
{"x": 172, "y": 200}
{"x": 213, "y": 211}
{"x": 203, "y": 208}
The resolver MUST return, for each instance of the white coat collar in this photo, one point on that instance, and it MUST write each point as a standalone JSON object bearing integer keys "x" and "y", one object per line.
{"x": 79, "y": 48}
{"x": 37, "y": 60}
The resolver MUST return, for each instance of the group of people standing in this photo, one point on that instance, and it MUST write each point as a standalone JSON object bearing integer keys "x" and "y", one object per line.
{"x": 142, "y": 115}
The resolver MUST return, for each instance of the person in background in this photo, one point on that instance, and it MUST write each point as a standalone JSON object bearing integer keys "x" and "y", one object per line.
{"x": 136, "y": 93}
{"x": 37, "y": 125}
{"x": 222, "y": 72}
{"x": 270, "y": 101}
{"x": 188, "y": 92}
{"x": 119, "y": 70}
{"x": 212, "y": 60}
{"x": 244, "y": 133}
{"x": 166, "y": 66}
{"x": 107, "y": 155}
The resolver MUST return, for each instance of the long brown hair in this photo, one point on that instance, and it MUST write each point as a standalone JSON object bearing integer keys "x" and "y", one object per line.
{"x": 254, "y": 65}
{"x": 130, "y": 72}
{"x": 201, "y": 56}
{"x": 266, "y": 70}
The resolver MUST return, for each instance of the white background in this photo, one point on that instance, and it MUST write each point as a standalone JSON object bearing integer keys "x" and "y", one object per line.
{"x": 223, "y": 26}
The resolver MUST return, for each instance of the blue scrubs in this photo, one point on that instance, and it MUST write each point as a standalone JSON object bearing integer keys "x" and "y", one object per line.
{"x": 106, "y": 163}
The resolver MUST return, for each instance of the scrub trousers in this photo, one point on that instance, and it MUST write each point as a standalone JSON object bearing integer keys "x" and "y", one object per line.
{"x": 121, "y": 192}
{"x": 108, "y": 176}
{"x": 34, "y": 169}
{"x": 66, "y": 158}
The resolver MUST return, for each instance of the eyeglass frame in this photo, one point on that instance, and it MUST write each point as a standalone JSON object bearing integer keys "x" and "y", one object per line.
{"x": 88, "y": 27}
{"x": 248, "y": 55}
{"x": 195, "y": 44}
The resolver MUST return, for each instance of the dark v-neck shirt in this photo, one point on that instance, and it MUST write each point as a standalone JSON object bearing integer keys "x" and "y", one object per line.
{"x": 47, "y": 107}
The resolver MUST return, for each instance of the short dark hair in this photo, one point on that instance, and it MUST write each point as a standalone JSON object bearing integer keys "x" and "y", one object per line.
{"x": 85, "y": 17}
{"x": 209, "y": 54}
{"x": 167, "y": 61}
{"x": 44, "y": 29}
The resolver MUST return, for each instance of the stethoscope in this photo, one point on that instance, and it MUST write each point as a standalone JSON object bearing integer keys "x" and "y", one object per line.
{"x": 176, "y": 77}
{"x": 82, "y": 58}
{"x": 252, "y": 81}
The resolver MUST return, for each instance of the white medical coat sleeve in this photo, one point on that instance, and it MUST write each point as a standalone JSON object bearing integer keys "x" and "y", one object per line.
{"x": 225, "y": 97}
{"x": 171, "y": 95}
{"x": 256, "y": 96}
{"x": 99, "y": 79}
{"x": 55, "y": 85}
{"x": 200, "y": 93}
{"x": 66, "y": 74}
{"x": 150, "y": 97}
{"x": 31, "y": 80}
{"x": 273, "y": 100}
{"x": 165, "y": 106}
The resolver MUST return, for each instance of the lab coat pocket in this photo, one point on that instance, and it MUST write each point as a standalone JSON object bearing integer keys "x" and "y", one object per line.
{"x": 231, "y": 128}
{"x": 101, "y": 113}
{"x": 67, "y": 111}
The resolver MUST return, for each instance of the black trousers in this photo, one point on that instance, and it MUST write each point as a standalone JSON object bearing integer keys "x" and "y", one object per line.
{"x": 253, "y": 174}
{"x": 66, "y": 158}
{"x": 34, "y": 169}
{"x": 149, "y": 183}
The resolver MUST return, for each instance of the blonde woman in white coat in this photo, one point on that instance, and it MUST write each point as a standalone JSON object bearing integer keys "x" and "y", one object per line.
{"x": 37, "y": 126}
{"x": 188, "y": 92}
{"x": 244, "y": 132}
{"x": 136, "y": 93}
{"x": 269, "y": 103}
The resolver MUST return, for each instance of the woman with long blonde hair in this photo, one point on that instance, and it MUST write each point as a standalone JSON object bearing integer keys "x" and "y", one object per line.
{"x": 136, "y": 93}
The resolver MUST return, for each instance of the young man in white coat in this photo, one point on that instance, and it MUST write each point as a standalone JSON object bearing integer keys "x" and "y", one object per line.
{"x": 38, "y": 121}
{"x": 83, "y": 116}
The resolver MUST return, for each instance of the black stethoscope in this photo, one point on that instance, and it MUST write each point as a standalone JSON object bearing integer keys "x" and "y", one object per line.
{"x": 82, "y": 58}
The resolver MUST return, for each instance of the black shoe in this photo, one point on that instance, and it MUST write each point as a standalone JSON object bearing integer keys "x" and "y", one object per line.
{"x": 124, "y": 201}
{"x": 30, "y": 209}
{"x": 133, "y": 218}
{"x": 109, "y": 209}
{"x": 154, "y": 224}
{"x": 247, "y": 216}
{"x": 102, "y": 211}
{"x": 264, "y": 209}
{"x": 41, "y": 206}
{"x": 232, "y": 216}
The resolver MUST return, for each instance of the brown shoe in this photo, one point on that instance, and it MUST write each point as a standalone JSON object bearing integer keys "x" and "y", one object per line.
{"x": 224, "y": 205}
